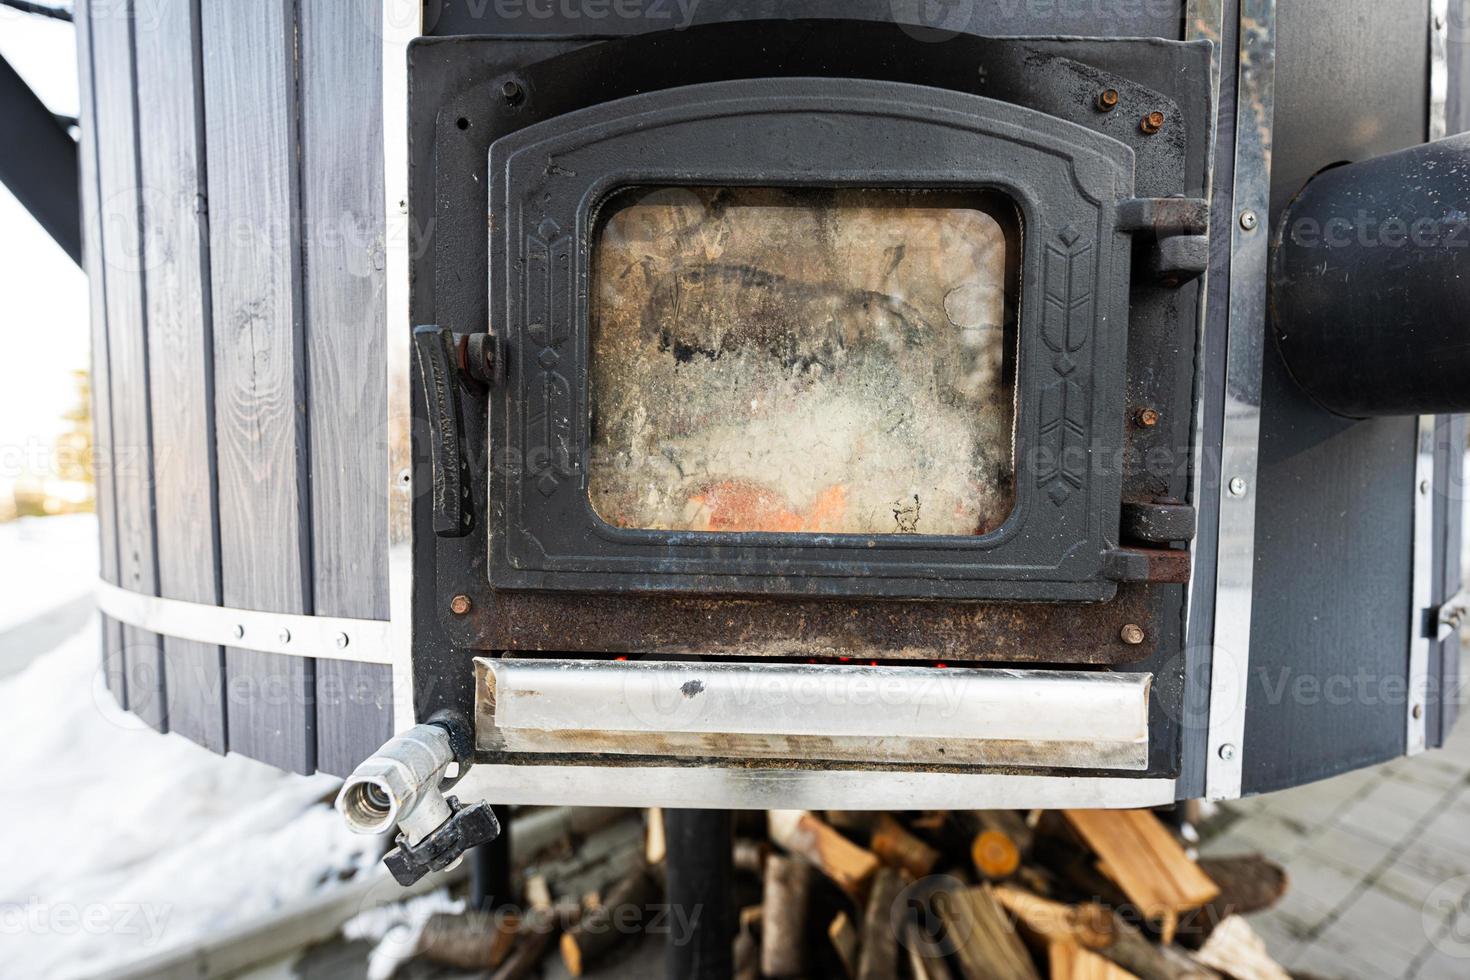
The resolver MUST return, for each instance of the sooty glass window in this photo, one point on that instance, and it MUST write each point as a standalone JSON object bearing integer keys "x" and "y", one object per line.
{"x": 836, "y": 361}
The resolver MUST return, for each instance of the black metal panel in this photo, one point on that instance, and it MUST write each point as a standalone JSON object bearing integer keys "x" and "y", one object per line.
{"x": 1334, "y": 498}
{"x": 925, "y": 18}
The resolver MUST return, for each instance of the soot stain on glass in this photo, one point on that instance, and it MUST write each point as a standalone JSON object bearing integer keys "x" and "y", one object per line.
{"x": 803, "y": 360}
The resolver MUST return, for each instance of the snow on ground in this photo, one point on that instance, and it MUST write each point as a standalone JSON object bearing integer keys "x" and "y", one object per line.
{"x": 44, "y": 561}
{"x": 121, "y": 842}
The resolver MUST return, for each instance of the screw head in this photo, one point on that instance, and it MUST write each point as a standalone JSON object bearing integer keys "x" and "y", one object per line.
{"x": 1107, "y": 100}
{"x": 1132, "y": 634}
{"x": 460, "y": 605}
{"x": 1249, "y": 220}
{"x": 1227, "y": 752}
{"x": 239, "y": 632}
{"x": 512, "y": 92}
{"x": 342, "y": 641}
{"x": 1424, "y": 487}
{"x": 1418, "y": 711}
{"x": 1148, "y": 417}
{"x": 1238, "y": 486}
{"x": 284, "y": 636}
{"x": 1152, "y": 123}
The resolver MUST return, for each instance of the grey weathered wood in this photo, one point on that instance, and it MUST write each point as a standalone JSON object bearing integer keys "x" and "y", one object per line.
{"x": 180, "y": 354}
{"x": 260, "y": 393}
{"x": 113, "y": 659}
{"x": 342, "y": 210}
{"x": 120, "y": 196}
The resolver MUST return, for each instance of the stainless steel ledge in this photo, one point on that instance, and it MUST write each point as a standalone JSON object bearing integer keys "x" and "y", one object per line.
{"x": 915, "y": 715}
{"x": 771, "y": 788}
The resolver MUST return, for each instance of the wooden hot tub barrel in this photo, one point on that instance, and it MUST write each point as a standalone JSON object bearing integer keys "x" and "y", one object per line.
{"x": 233, "y": 190}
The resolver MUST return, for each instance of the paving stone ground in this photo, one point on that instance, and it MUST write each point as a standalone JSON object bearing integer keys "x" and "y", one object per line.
{"x": 1379, "y": 863}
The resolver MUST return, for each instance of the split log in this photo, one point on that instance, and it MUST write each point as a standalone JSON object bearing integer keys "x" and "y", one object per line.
{"x": 1140, "y": 854}
{"x": 1001, "y": 839}
{"x": 1071, "y": 962}
{"x": 1093, "y": 927}
{"x": 1048, "y": 923}
{"x": 895, "y": 846}
{"x": 604, "y": 859}
{"x": 655, "y": 844}
{"x": 926, "y": 960}
{"x": 844, "y": 939}
{"x": 800, "y": 833}
{"x": 1147, "y": 960}
{"x": 783, "y": 917}
{"x": 600, "y": 930}
{"x": 537, "y": 931}
{"x": 750, "y": 856}
{"x": 747, "y": 957}
{"x": 540, "y": 830}
{"x": 469, "y": 940}
{"x": 878, "y": 957}
{"x": 1247, "y": 884}
{"x": 986, "y": 947}
{"x": 859, "y": 822}
{"x": 1235, "y": 950}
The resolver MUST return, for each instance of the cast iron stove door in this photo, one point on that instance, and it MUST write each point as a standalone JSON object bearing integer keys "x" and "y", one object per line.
{"x": 771, "y": 337}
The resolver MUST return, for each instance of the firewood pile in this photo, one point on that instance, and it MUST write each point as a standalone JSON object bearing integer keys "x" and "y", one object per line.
{"x": 937, "y": 895}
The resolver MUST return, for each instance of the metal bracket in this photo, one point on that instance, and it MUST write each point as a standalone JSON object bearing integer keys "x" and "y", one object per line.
{"x": 1240, "y": 437}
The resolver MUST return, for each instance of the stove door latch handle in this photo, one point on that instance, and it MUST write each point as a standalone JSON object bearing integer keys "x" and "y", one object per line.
{"x": 1176, "y": 230}
{"x": 437, "y": 353}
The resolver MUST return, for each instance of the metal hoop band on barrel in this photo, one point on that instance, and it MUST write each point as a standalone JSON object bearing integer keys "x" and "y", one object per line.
{"x": 320, "y": 637}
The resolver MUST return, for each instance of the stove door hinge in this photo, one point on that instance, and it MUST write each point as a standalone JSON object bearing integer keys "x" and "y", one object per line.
{"x": 1159, "y": 522}
{"x": 1176, "y": 231}
{"x": 1160, "y": 566}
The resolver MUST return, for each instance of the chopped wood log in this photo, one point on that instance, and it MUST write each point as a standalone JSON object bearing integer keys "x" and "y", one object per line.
{"x": 750, "y": 856}
{"x": 1093, "y": 927}
{"x": 878, "y": 957}
{"x": 1140, "y": 854}
{"x": 926, "y": 960}
{"x": 1147, "y": 960}
{"x": 844, "y": 939}
{"x": 800, "y": 833}
{"x": 854, "y": 821}
{"x": 469, "y": 940}
{"x": 655, "y": 844}
{"x": 1069, "y": 961}
{"x": 895, "y": 846}
{"x": 783, "y": 916}
{"x": 747, "y": 944}
{"x": 604, "y": 859}
{"x": 1247, "y": 884}
{"x": 1089, "y": 925}
{"x": 986, "y": 946}
{"x": 600, "y": 930}
{"x": 747, "y": 957}
{"x": 1001, "y": 840}
{"x": 542, "y": 829}
{"x": 538, "y": 892}
{"x": 1236, "y": 951}
{"x": 537, "y": 931}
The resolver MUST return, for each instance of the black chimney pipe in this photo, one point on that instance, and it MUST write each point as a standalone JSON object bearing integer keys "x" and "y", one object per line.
{"x": 1370, "y": 284}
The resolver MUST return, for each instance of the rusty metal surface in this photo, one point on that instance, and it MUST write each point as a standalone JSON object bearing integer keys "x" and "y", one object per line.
{"x": 803, "y": 359}
{"x": 749, "y": 627}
